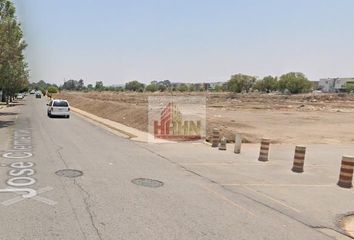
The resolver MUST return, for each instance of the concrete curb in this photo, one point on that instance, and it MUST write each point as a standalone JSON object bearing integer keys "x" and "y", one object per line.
{"x": 131, "y": 133}
{"x": 106, "y": 122}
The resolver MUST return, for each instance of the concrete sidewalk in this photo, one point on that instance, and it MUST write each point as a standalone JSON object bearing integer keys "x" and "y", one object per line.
{"x": 8, "y": 116}
{"x": 312, "y": 197}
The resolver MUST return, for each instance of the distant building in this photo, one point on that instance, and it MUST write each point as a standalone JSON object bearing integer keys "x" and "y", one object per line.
{"x": 335, "y": 84}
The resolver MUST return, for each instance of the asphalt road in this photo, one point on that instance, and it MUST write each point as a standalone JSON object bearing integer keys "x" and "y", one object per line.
{"x": 103, "y": 203}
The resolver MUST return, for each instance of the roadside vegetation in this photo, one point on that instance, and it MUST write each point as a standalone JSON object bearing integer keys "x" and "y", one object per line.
{"x": 14, "y": 73}
{"x": 289, "y": 83}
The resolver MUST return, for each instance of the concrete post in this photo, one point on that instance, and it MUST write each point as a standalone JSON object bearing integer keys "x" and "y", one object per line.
{"x": 238, "y": 142}
{"x": 222, "y": 145}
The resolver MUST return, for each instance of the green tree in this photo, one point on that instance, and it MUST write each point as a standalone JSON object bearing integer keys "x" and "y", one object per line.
{"x": 52, "y": 90}
{"x": 152, "y": 87}
{"x": 80, "y": 85}
{"x": 134, "y": 86}
{"x": 74, "y": 85}
{"x": 294, "y": 82}
{"x": 182, "y": 87}
{"x": 70, "y": 85}
{"x": 161, "y": 87}
{"x": 14, "y": 72}
{"x": 41, "y": 85}
{"x": 349, "y": 87}
{"x": 267, "y": 84}
{"x": 240, "y": 82}
{"x": 192, "y": 87}
{"x": 99, "y": 86}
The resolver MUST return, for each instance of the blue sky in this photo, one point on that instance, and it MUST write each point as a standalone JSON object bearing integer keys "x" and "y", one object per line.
{"x": 186, "y": 40}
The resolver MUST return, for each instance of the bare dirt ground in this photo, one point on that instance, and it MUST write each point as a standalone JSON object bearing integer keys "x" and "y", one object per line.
{"x": 297, "y": 119}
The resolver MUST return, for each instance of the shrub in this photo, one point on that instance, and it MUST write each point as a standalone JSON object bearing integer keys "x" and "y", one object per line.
{"x": 294, "y": 83}
{"x": 152, "y": 87}
{"x": 240, "y": 82}
{"x": 52, "y": 90}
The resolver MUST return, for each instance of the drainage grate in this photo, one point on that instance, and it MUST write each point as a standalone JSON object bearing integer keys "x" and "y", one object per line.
{"x": 69, "y": 173}
{"x": 146, "y": 182}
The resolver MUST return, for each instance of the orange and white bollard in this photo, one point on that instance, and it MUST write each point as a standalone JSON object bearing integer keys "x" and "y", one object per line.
{"x": 215, "y": 138}
{"x": 264, "y": 151}
{"x": 222, "y": 145}
{"x": 346, "y": 172}
{"x": 299, "y": 159}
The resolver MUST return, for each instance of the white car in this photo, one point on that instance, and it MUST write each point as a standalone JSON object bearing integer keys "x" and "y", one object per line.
{"x": 58, "y": 107}
{"x": 20, "y": 96}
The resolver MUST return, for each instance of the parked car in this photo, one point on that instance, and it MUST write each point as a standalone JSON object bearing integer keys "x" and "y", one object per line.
{"x": 38, "y": 95}
{"x": 20, "y": 96}
{"x": 58, "y": 107}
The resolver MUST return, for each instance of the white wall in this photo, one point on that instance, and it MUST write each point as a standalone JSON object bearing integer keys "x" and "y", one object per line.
{"x": 326, "y": 84}
{"x": 334, "y": 84}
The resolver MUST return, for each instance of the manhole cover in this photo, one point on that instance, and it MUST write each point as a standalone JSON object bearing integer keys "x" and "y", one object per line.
{"x": 70, "y": 173}
{"x": 146, "y": 182}
{"x": 347, "y": 224}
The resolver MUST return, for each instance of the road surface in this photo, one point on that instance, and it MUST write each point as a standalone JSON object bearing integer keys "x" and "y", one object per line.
{"x": 103, "y": 203}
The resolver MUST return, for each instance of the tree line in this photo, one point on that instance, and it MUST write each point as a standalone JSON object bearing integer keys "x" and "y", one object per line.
{"x": 134, "y": 86}
{"x": 292, "y": 82}
{"x": 14, "y": 73}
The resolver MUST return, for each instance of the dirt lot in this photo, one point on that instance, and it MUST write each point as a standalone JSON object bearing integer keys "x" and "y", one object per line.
{"x": 300, "y": 119}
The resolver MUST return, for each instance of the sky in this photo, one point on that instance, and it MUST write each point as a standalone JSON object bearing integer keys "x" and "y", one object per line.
{"x": 118, "y": 41}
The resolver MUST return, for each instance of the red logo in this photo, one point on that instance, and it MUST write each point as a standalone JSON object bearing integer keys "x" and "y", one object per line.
{"x": 173, "y": 127}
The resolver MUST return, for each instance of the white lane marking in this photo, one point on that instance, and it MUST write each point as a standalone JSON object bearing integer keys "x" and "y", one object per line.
{"x": 37, "y": 198}
{"x": 273, "y": 199}
{"x": 226, "y": 199}
{"x": 30, "y": 192}
{"x": 10, "y": 155}
{"x": 45, "y": 200}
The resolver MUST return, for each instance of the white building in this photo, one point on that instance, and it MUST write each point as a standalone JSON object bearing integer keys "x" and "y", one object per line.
{"x": 335, "y": 84}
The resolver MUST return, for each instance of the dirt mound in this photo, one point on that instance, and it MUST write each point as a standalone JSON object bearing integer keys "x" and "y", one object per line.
{"x": 304, "y": 118}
